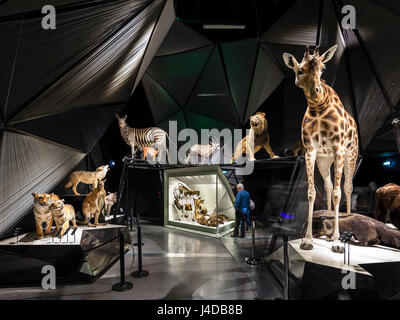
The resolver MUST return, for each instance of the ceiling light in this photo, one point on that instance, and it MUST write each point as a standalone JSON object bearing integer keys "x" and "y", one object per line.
{"x": 224, "y": 26}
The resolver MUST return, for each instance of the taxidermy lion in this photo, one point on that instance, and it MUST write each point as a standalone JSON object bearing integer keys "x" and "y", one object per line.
{"x": 91, "y": 207}
{"x": 42, "y": 212}
{"x": 366, "y": 230}
{"x": 63, "y": 214}
{"x": 258, "y": 138}
{"x": 87, "y": 177}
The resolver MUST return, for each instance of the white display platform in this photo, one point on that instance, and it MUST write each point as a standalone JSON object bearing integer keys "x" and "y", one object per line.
{"x": 29, "y": 238}
{"x": 318, "y": 273}
{"x": 322, "y": 254}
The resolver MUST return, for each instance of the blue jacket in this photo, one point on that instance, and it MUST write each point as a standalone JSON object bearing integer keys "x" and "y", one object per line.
{"x": 242, "y": 202}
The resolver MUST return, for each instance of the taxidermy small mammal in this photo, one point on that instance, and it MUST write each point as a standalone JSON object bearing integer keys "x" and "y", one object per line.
{"x": 87, "y": 177}
{"x": 257, "y": 139}
{"x": 111, "y": 199}
{"x": 90, "y": 206}
{"x": 151, "y": 152}
{"x": 42, "y": 212}
{"x": 63, "y": 214}
{"x": 203, "y": 151}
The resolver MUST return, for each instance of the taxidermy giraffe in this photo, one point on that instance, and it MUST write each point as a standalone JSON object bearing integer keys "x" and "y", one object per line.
{"x": 329, "y": 135}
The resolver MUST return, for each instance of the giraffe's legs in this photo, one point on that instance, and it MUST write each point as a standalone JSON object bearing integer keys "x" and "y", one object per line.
{"x": 324, "y": 167}
{"x": 349, "y": 168}
{"x": 310, "y": 157}
{"x": 337, "y": 193}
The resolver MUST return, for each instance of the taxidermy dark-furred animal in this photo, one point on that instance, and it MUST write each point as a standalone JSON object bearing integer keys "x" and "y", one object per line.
{"x": 387, "y": 204}
{"x": 42, "y": 212}
{"x": 367, "y": 231}
{"x": 88, "y": 177}
{"x": 90, "y": 206}
{"x": 63, "y": 214}
{"x": 257, "y": 139}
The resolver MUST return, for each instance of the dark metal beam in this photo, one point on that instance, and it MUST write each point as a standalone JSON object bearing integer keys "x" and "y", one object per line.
{"x": 38, "y": 94}
{"x": 320, "y": 16}
{"x": 353, "y": 100}
{"x": 372, "y": 66}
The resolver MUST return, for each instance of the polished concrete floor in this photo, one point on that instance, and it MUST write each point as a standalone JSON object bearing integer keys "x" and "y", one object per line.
{"x": 182, "y": 265}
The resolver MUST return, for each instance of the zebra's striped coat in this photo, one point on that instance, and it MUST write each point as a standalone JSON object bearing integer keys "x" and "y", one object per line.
{"x": 144, "y": 137}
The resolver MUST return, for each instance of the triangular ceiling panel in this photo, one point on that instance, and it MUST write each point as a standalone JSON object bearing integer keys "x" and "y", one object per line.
{"x": 179, "y": 117}
{"x": 211, "y": 95}
{"x": 266, "y": 78}
{"x": 178, "y": 73}
{"x": 181, "y": 38}
{"x": 240, "y": 59}
{"x": 378, "y": 24}
{"x": 9, "y": 35}
{"x": 371, "y": 106}
{"x": 298, "y": 26}
{"x": 104, "y": 77}
{"x": 197, "y": 122}
{"x": 42, "y": 56}
{"x": 161, "y": 103}
{"x": 342, "y": 86}
{"x": 13, "y": 7}
{"x": 78, "y": 129}
{"x": 161, "y": 29}
{"x": 29, "y": 165}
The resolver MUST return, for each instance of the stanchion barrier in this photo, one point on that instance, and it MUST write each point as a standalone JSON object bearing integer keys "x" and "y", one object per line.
{"x": 253, "y": 260}
{"x": 122, "y": 285}
{"x": 140, "y": 273}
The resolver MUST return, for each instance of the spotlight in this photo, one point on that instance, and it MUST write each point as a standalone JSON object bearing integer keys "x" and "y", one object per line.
{"x": 388, "y": 163}
{"x": 111, "y": 163}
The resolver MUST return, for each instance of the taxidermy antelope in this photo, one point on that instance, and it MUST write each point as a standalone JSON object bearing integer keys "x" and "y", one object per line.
{"x": 203, "y": 151}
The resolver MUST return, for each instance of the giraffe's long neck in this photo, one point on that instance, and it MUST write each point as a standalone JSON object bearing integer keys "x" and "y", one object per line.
{"x": 318, "y": 101}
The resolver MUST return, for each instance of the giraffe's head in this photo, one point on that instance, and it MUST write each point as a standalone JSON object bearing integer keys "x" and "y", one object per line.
{"x": 309, "y": 70}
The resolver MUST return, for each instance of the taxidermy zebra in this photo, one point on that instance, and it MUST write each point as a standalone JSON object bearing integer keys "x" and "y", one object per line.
{"x": 144, "y": 137}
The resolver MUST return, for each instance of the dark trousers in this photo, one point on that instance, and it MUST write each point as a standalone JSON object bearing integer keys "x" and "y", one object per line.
{"x": 240, "y": 222}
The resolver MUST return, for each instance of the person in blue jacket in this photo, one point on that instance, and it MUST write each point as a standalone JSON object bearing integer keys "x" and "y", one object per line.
{"x": 242, "y": 204}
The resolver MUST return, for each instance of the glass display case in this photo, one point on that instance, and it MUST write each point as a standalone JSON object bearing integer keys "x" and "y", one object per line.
{"x": 198, "y": 199}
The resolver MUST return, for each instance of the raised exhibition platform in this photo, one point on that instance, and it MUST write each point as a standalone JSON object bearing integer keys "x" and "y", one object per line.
{"x": 319, "y": 273}
{"x": 79, "y": 257}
